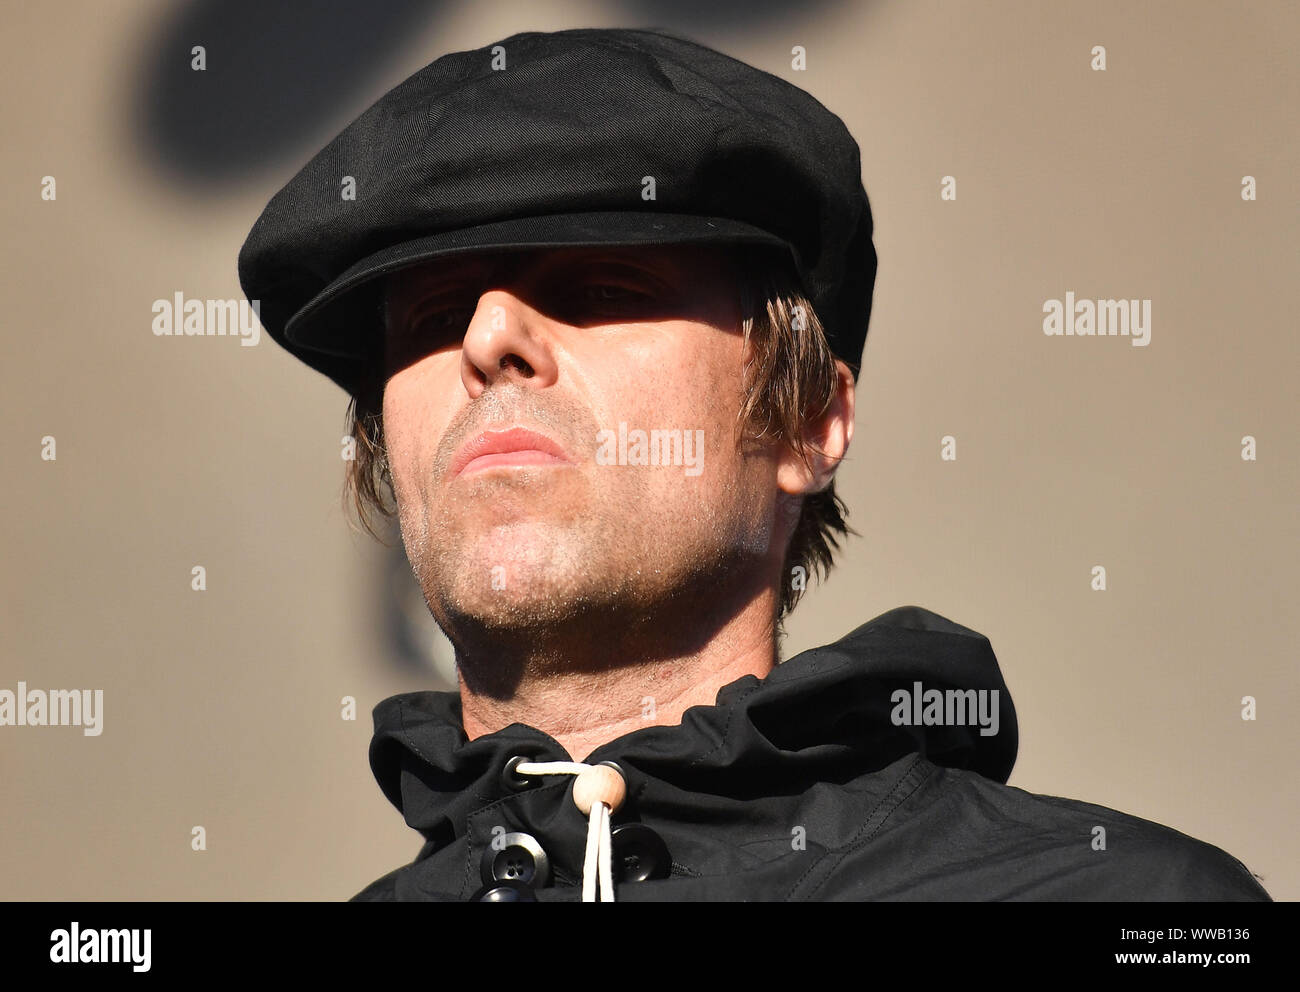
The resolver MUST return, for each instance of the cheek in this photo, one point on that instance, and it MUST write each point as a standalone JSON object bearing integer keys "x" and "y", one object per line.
{"x": 413, "y": 423}
{"x": 689, "y": 380}
{"x": 689, "y": 365}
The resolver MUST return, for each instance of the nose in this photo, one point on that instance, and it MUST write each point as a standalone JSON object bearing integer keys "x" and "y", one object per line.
{"x": 506, "y": 338}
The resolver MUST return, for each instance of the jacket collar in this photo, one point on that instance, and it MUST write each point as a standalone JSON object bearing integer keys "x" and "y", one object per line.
{"x": 827, "y": 714}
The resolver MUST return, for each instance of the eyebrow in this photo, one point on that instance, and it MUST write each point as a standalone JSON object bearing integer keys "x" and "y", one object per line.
{"x": 454, "y": 269}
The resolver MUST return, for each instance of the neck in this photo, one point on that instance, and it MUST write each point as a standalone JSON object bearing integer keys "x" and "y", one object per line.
{"x": 593, "y": 681}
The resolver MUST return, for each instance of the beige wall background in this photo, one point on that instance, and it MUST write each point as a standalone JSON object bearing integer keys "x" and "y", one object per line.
{"x": 222, "y": 708}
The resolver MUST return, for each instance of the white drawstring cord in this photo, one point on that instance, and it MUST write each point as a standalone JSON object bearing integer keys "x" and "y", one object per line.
{"x": 598, "y": 790}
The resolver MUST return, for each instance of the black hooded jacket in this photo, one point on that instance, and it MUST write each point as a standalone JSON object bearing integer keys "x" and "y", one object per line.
{"x": 815, "y": 783}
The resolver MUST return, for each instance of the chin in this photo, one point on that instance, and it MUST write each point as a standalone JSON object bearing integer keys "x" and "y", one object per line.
{"x": 498, "y": 613}
{"x": 520, "y": 586}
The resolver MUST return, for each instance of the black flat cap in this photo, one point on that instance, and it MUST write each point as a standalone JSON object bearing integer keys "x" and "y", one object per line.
{"x": 561, "y": 138}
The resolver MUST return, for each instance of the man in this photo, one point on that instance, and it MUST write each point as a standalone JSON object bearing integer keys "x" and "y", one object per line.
{"x": 599, "y": 298}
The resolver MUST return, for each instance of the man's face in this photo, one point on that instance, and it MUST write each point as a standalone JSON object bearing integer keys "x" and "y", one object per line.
{"x": 585, "y": 347}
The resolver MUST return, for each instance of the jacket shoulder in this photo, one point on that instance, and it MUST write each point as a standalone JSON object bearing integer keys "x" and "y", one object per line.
{"x": 1152, "y": 861}
{"x": 1002, "y": 842}
{"x": 380, "y": 890}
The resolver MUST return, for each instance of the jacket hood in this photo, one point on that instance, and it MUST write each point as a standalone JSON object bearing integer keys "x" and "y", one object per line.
{"x": 829, "y": 714}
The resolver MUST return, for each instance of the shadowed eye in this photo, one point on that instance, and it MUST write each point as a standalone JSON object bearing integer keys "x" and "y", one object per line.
{"x": 437, "y": 321}
{"x": 615, "y": 289}
{"x": 608, "y": 292}
{"x": 430, "y": 329}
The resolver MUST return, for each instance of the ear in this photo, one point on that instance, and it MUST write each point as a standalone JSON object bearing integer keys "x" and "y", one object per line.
{"x": 827, "y": 440}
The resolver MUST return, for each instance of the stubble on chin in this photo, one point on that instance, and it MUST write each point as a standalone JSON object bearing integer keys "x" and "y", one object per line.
{"x": 484, "y": 570}
{"x": 493, "y": 582}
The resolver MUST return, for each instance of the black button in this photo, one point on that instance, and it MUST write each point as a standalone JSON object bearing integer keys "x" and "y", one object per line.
{"x": 640, "y": 854}
{"x": 504, "y": 892}
{"x": 515, "y": 858}
{"x": 511, "y": 779}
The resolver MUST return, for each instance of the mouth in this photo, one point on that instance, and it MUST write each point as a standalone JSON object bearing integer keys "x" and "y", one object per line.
{"x": 509, "y": 449}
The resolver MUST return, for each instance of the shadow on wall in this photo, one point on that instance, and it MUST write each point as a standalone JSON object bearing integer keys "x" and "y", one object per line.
{"x": 275, "y": 74}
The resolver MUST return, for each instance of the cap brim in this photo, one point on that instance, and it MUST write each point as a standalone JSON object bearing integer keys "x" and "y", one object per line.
{"x": 328, "y": 324}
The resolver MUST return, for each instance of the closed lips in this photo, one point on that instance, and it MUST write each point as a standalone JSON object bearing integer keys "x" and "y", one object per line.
{"x": 516, "y": 446}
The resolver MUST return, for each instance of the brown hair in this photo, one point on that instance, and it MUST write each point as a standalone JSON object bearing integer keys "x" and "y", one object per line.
{"x": 791, "y": 378}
